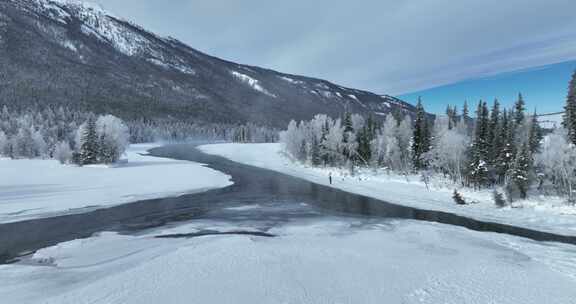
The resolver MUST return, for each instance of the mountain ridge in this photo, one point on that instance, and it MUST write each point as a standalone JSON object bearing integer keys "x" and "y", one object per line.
{"x": 77, "y": 54}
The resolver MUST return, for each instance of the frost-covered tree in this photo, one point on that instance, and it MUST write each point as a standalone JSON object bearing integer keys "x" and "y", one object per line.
{"x": 334, "y": 143}
{"x": 494, "y": 139}
{"x": 63, "y": 153}
{"x": 89, "y": 150}
{"x": 449, "y": 146}
{"x": 365, "y": 139}
{"x": 39, "y": 144}
{"x": 291, "y": 138}
{"x": 534, "y": 134}
{"x": 113, "y": 138}
{"x": 405, "y": 132}
{"x": 557, "y": 160}
{"x": 519, "y": 108}
{"x": 421, "y": 137}
{"x": 569, "y": 119}
{"x": 479, "y": 168}
{"x": 3, "y": 143}
{"x": 520, "y": 174}
{"x": 506, "y": 151}
{"x": 22, "y": 143}
{"x": 386, "y": 146}
{"x": 349, "y": 139}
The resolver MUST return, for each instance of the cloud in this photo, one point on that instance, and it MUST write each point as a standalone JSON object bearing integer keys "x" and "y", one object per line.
{"x": 387, "y": 46}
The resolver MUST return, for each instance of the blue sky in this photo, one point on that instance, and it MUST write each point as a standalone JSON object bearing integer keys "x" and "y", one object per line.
{"x": 544, "y": 88}
{"x": 384, "y": 46}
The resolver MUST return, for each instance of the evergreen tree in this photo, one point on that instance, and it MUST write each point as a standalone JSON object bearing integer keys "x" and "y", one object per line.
{"x": 348, "y": 134}
{"x": 479, "y": 153}
{"x": 397, "y": 114}
{"x": 569, "y": 119}
{"x": 347, "y": 122}
{"x": 519, "y": 108}
{"x": 373, "y": 127}
{"x": 520, "y": 173}
{"x": 493, "y": 131}
{"x": 535, "y": 135}
{"x": 89, "y": 151}
{"x": 364, "y": 144}
{"x": 465, "y": 111}
{"x": 316, "y": 157}
{"x": 493, "y": 124}
{"x": 105, "y": 150}
{"x": 506, "y": 154}
{"x": 420, "y": 138}
{"x": 450, "y": 114}
{"x": 454, "y": 116}
{"x": 324, "y": 148}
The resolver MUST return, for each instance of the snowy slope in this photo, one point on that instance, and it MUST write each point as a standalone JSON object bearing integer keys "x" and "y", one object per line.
{"x": 332, "y": 260}
{"x": 42, "y": 188}
{"x": 545, "y": 213}
{"x": 68, "y": 51}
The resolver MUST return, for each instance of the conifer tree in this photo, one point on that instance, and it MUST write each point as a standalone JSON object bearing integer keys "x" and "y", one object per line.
{"x": 316, "y": 157}
{"x": 420, "y": 138}
{"x": 364, "y": 144}
{"x": 519, "y": 174}
{"x": 348, "y": 133}
{"x": 535, "y": 135}
{"x": 569, "y": 119}
{"x": 519, "y": 108}
{"x": 465, "y": 119}
{"x": 479, "y": 153}
{"x": 450, "y": 114}
{"x": 397, "y": 114}
{"x": 493, "y": 130}
{"x": 347, "y": 122}
{"x": 89, "y": 150}
{"x": 506, "y": 154}
{"x": 372, "y": 127}
{"x": 324, "y": 149}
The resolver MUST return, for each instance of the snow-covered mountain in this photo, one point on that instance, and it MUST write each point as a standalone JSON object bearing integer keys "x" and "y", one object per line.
{"x": 77, "y": 54}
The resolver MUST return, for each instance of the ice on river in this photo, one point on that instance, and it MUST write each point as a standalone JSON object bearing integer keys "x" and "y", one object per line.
{"x": 331, "y": 260}
{"x": 40, "y": 188}
{"x": 539, "y": 213}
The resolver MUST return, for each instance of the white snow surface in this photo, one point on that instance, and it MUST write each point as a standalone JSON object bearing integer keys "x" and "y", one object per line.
{"x": 253, "y": 83}
{"x": 42, "y": 188}
{"x": 332, "y": 260}
{"x": 539, "y": 213}
{"x": 108, "y": 28}
{"x": 291, "y": 80}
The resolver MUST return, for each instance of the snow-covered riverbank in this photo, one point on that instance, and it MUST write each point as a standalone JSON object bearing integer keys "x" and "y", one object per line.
{"x": 322, "y": 260}
{"x": 40, "y": 188}
{"x": 543, "y": 213}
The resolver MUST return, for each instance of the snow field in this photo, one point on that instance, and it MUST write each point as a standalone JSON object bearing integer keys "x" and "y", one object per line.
{"x": 540, "y": 213}
{"x": 42, "y": 188}
{"x": 331, "y": 260}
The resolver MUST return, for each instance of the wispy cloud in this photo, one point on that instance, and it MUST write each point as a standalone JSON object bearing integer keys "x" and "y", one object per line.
{"x": 391, "y": 46}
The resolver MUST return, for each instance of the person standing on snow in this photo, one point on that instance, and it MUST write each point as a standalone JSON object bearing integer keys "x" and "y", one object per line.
{"x": 330, "y": 177}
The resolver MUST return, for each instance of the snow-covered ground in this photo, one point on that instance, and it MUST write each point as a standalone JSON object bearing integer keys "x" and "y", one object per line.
{"x": 328, "y": 260}
{"x": 41, "y": 188}
{"x": 541, "y": 213}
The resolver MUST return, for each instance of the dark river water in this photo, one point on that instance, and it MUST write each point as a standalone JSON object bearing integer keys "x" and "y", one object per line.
{"x": 280, "y": 197}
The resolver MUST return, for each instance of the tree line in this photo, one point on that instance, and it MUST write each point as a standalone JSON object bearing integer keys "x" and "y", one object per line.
{"x": 59, "y": 132}
{"x": 501, "y": 149}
